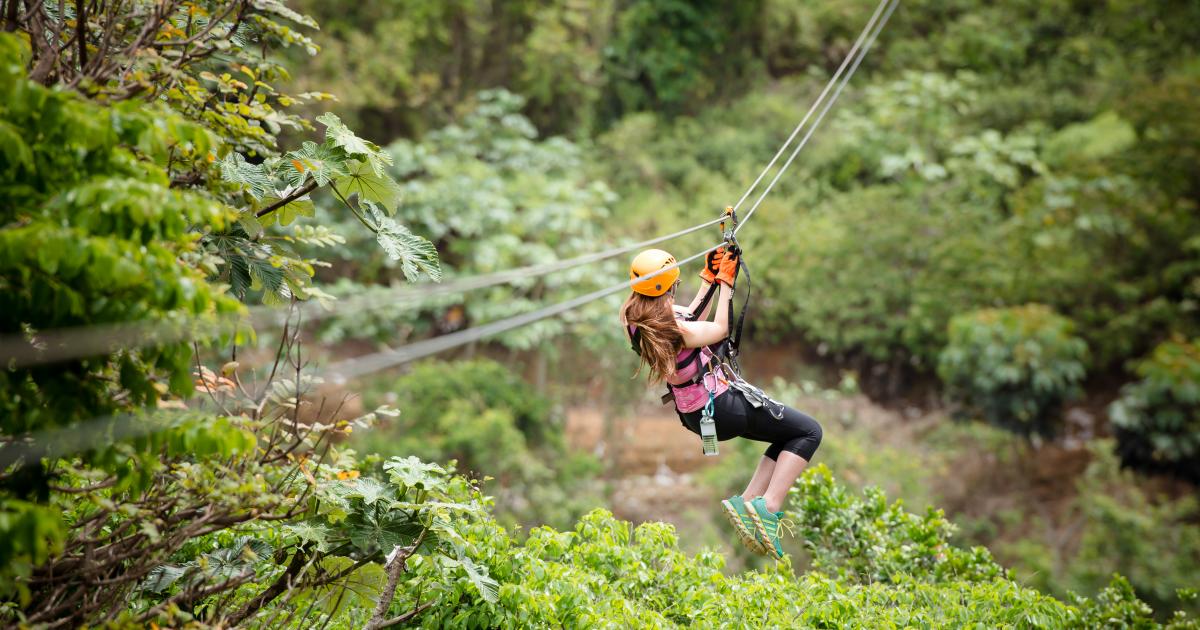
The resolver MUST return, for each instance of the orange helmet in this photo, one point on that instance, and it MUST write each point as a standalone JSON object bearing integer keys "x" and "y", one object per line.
{"x": 647, "y": 263}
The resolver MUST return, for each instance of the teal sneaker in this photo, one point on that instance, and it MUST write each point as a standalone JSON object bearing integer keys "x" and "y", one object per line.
{"x": 739, "y": 517}
{"x": 767, "y": 526}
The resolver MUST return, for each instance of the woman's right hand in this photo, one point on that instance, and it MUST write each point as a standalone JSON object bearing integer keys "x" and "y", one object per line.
{"x": 712, "y": 265}
{"x": 728, "y": 270}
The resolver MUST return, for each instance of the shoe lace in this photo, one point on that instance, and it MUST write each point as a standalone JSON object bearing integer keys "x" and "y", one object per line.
{"x": 785, "y": 525}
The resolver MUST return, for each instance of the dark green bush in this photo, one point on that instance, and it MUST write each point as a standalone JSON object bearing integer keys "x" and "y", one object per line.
{"x": 1158, "y": 417}
{"x": 469, "y": 389}
{"x": 1014, "y": 366}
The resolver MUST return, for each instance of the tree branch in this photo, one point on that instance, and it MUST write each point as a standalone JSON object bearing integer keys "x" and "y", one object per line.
{"x": 281, "y": 584}
{"x": 394, "y": 621}
{"x": 395, "y": 567}
{"x": 80, "y": 25}
{"x": 303, "y": 190}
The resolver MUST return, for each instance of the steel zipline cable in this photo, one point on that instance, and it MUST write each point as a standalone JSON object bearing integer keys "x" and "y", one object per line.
{"x": 374, "y": 362}
{"x": 74, "y": 343}
{"x": 50, "y": 443}
{"x": 850, "y": 56}
{"x": 870, "y": 41}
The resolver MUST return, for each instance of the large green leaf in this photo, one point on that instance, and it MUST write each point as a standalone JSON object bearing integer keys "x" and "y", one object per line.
{"x": 414, "y": 473}
{"x": 320, "y": 161}
{"x": 369, "y": 489}
{"x": 311, "y": 533}
{"x": 415, "y": 254}
{"x": 372, "y": 535}
{"x": 363, "y": 181}
{"x": 340, "y": 135}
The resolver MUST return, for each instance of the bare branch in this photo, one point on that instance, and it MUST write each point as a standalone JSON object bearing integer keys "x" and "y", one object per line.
{"x": 395, "y": 621}
{"x": 395, "y": 567}
{"x": 296, "y": 194}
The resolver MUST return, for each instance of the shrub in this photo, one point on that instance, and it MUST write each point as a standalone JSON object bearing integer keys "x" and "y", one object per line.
{"x": 1016, "y": 366}
{"x": 607, "y": 573}
{"x": 471, "y": 388}
{"x": 1158, "y": 417}
{"x": 867, "y": 540}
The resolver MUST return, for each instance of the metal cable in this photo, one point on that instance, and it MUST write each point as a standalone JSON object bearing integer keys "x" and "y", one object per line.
{"x": 358, "y": 366}
{"x": 816, "y": 123}
{"x": 81, "y": 436}
{"x": 820, "y": 98}
{"x": 73, "y": 343}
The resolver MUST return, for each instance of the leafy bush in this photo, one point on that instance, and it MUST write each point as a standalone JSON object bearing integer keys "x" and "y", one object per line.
{"x": 468, "y": 388}
{"x": 1130, "y": 529}
{"x": 1016, "y": 366}
{"x": 93, "y": 233}
{"x": 607, "y": 573}
{"x": 1158, "y": 417}
{"x": 1115, "y": 523}
{"x": 867, "y": 540}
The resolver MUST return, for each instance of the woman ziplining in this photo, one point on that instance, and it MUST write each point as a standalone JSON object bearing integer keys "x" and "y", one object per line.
{"x": 680, "y": 347}
{"x": 697, "y": 358}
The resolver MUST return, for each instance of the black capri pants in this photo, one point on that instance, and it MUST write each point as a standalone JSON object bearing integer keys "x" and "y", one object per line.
{"x": 795, "y": 432}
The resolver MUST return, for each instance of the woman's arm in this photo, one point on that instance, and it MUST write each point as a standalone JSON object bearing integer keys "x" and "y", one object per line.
{"x": 701, "y": 333}
{"x": 691, "y": 308}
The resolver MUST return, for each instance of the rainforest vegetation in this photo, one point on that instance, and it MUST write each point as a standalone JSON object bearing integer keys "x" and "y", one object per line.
{"x": 982, "y": 276}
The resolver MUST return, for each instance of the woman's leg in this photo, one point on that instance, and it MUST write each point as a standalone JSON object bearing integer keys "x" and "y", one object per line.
{"x": 794, "y": 439}
{"x": 785, "y": 473}
{"x": 761, "y": 479}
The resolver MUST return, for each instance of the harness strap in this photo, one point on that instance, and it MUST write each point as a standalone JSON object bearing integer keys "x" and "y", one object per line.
{"x": 735, "y": 336}
{"x": 708, "y": 295}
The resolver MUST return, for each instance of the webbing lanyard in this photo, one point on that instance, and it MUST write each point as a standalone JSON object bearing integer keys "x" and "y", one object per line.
{"x": 708, "y": 425}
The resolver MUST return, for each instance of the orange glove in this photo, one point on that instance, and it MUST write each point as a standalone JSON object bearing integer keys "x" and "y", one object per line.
{"x": 712, "y": 265}
{"x": 729, "y": 269}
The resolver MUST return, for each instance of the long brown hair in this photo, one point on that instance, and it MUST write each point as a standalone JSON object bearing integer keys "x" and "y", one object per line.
{"x": 659, "y": 337}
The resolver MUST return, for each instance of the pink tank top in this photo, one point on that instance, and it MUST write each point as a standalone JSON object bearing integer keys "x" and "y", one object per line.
{"x": 692, "y": 397}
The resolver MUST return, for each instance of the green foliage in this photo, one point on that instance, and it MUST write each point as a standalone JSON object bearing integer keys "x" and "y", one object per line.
{"x": 277, "y": 191}
{"x": 671, "y": 55}
{"x": 1124, "y": 525}
{"x": 582, "y": 64}
{"x": 94, "y": 233}
{"x": 1150, "y": 539}
{"x": 868, "y": 540}
{"x": 606, "y": 573}
{"x": 491, "y": 196}
{"x": 30, "y": 533}
{"x": 1016, "y": 365}
{"x": 1158, "y": 416}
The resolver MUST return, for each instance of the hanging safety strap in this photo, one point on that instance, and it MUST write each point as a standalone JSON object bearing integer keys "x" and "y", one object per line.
{"x": 708, "y": 295}
{"x": 735, "y": 332}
